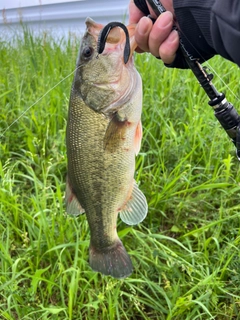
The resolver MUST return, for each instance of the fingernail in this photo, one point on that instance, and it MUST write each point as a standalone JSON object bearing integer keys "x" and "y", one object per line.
{"x": 143, "y": 25}
{"x": 173, "y": 37}
{"x": 166, "y": 19}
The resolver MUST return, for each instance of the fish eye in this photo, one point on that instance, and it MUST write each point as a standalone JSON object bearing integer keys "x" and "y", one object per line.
{"x": 87, "y": 52}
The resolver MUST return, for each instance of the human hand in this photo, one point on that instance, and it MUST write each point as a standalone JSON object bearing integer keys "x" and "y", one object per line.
{"x": 157, "y": 38}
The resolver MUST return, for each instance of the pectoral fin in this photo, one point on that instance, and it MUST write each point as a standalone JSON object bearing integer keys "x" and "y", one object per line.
{"x": 72, "y": 204}
{"x": 135, "y": 210}
{"x": 115, "y": 133}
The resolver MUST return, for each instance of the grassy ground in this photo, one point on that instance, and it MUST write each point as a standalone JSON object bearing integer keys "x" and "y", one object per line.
{"x": 186, "y": 253}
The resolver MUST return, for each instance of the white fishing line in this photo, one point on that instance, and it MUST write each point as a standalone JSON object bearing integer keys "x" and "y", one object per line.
{"x": 46, "y": 93}
{"x": 221, "y": 79}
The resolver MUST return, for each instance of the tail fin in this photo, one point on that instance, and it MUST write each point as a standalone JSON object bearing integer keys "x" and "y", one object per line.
{"x": 113, "y": 261}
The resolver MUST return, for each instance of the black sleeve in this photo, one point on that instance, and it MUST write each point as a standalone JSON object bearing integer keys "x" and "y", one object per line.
{"x": 225, "y": 29}
{"x": 208, "y": 27}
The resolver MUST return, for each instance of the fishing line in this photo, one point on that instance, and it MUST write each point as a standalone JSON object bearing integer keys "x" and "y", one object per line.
{"x": 46, "y": 93}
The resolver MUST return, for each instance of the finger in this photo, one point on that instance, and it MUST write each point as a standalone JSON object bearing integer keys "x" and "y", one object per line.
{"x": 160, "y": 31}
{"x": 169, "y": 47}
{"x": 142, "y": 33}
{"x": 134, "y": 13}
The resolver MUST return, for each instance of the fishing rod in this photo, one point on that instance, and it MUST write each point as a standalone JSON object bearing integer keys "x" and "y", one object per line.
{"x": 224, "y": 111}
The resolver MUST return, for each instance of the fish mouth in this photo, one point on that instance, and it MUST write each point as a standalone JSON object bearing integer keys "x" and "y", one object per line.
{"x": 113, "y": 33}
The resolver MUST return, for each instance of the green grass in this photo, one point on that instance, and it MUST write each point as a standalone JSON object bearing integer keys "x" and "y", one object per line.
{"x": 186, "y": 253}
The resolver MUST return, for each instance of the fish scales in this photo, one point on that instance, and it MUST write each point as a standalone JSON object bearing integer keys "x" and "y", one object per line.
{"x": 101, "y": 135}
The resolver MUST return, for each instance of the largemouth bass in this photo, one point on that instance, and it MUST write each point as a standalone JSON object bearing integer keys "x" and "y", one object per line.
{"x": 103, "y": 137}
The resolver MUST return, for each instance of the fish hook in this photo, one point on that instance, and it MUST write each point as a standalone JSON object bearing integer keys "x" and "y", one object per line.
{"x": 103, "y": 38}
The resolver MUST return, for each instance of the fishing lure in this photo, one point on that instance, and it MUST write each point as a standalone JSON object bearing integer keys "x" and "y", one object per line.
{"x": 103, "y": 38}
